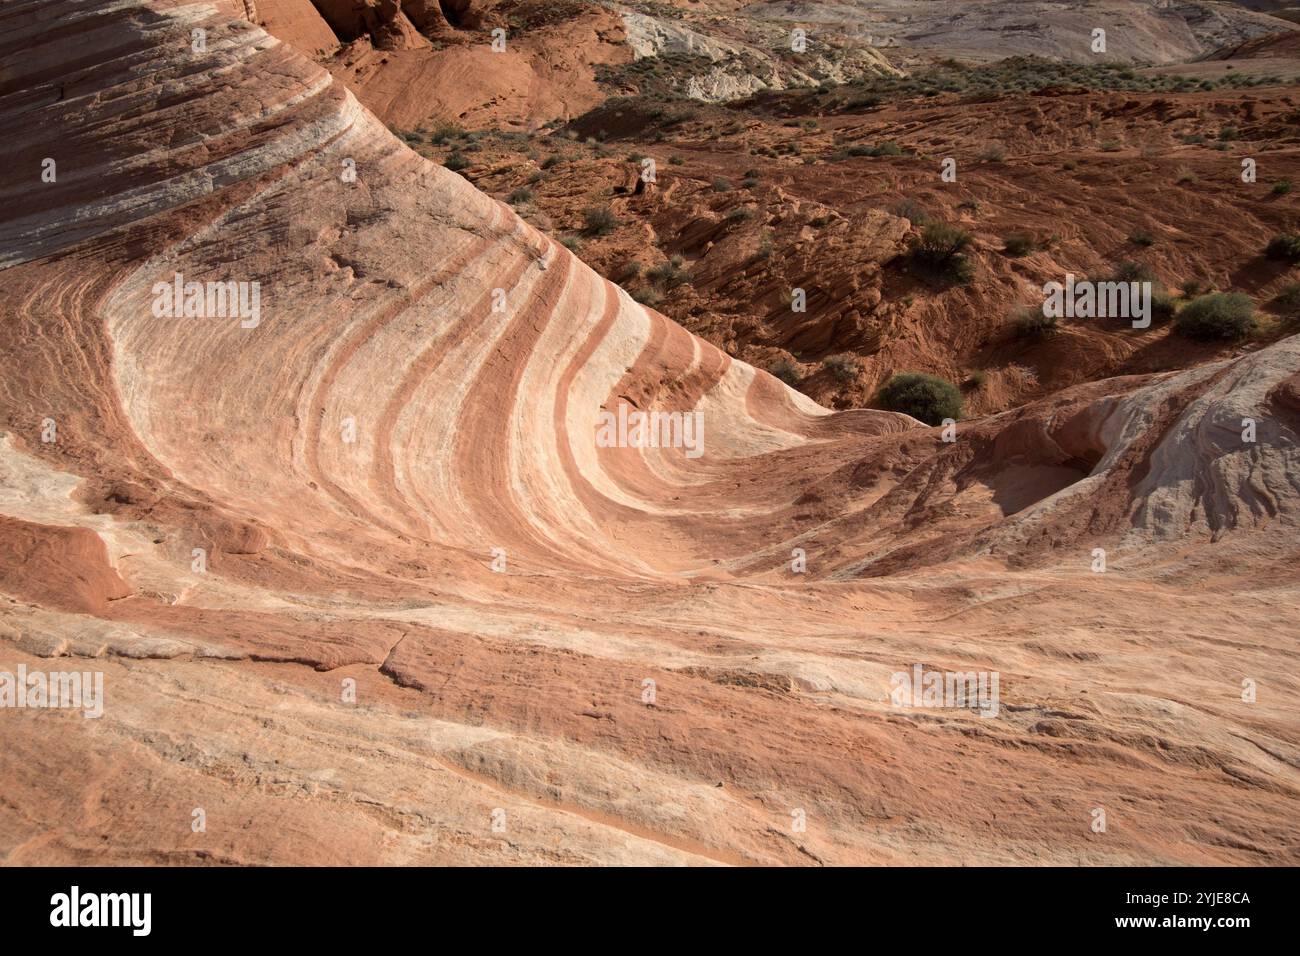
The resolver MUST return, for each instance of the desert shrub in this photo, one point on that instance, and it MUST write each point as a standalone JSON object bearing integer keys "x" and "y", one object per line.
{"x": 939, "y": 252}
{"x": 721, "y": 185}
{"x": 570, "y": 242}
{"x": 1282, "y": 188}
{"x": 1284, "y": 246}
{"x": 1219, "y": 315}
{"x": 927, "y": 398}
{"x": 599, "y": 220}
{"x": 1163, "y": 305}
{"x": 626, "y": 272}
{"x": 1288, "y": 300}
{"x": 787, "y": 372}
{"x": 1018, "y": 245}
{"x": 1130, "y": 271}
{"x": 1140, "y": 237}
{"x": 550, "y": 162}
{"x": 843, "y": 367}
{"x": 976, "y": 380}
{"x": 456, "y": 161}
{"x": 522, "y": 194}
{"x": 912, "y": 211}
{"x": 648, "y": 295}
{"x": 993, "y": 153}
{"x": 1031, "y": 323}
{"x": 740, "y": 214}
{"x": 1110, "y": 146}
{"x": 675, "y": 160}
{"x": 669, "y": 273}
{"x": 1228, "y": 133}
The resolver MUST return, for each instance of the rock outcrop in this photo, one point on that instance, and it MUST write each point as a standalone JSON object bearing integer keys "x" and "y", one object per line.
{"x": 322, "y": 458}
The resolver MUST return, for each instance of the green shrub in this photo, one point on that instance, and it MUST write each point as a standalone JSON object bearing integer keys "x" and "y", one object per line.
{"x": 912, "y": 211}
{"x": 550, "y": 162}
{"x": 628, "y": 271}
{"x": 1288, "y": 300}
{"x": 1282, "y": 188}
{"x": 1219, "y": 315}
{"x": 787, "y": 372}
{"x": 1284, "y": 246}
{"x": 1141, "y": 237}
{"x": 843, "y": 367}
{"x": 1018, "y": 245}
{"x": 939, "y": 252}
{"x": 669, "y": 273}
{"x": 927, "y": 398}
{"x": 648, "y": 295}
{"x": 1130, "y": 271}
{"x": 522, "y": 194}
{"x": 599, "y": 220}
{"x": 456, "y": 162}
{"x": 1031, "y": 323}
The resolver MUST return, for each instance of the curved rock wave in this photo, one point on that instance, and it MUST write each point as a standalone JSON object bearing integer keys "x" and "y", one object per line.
{"x": 279, "y": 392}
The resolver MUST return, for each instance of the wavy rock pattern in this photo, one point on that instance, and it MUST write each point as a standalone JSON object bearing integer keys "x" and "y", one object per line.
{"x": 393, "y": 474}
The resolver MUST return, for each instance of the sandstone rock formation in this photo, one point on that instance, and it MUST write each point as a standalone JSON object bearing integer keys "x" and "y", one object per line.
{"x": 365, "y": 587}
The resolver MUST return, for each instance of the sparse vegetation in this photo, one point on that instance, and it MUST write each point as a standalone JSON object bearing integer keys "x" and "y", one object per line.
{"x": 1219, "y": 315}
{"x": 1288, "y": 300}
{"x": 843, "y": 367}
{"x": 926, "y": 398}
{"x": 1284, "y": 246}
{"x": 1031, "y": 323}
{"x": 521, "y": 195}
{"x": 912, "y": 211}
{"x": 648, "y": 295}
{"x": 599, "y": 220}
{"x": 939, "y": 253}
{"x": 670, "y": 273}
{"x": 787, "y": 372}
{"x": 1018, "y": 245}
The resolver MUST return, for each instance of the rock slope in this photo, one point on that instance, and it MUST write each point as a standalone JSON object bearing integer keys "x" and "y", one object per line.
{"x": 366, "y": 585}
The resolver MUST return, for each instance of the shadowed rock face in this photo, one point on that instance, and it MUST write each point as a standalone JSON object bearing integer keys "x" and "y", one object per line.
{"x": 360, "y": 570}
